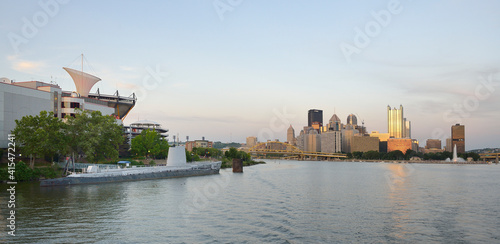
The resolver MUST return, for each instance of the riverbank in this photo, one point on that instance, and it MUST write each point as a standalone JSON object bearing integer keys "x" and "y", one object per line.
{"x": 229, "y": 164}
{"x": 398, "y": 161}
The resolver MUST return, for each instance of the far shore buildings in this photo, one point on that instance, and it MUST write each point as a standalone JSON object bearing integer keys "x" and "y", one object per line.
{"x": 251, "y": 141}
{"x": 20, "y": 99}
{"x": 198, "y": 144}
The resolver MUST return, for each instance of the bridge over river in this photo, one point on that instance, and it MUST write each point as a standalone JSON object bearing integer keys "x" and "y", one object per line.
{"x": 287, "y": 151}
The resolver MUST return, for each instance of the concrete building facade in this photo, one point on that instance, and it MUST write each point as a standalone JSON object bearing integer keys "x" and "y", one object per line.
{"x": 312, "y": 141}
{"x": 19, "y": 99}
{"x": 290, "y": 136}
{"x": 433, "y": 144}
{"x": 331, "y": 142}
{"x": 362, "y": 143}
{"x": 251, "y": 141}
{"x": 458, "y": 137}
{"x": 401, "y": 144}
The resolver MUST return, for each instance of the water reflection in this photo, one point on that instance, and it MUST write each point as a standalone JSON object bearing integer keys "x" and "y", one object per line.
{"x": 301, "y": 202}
{"x": 400, "y": 201}
{"x": 72, "y": 210}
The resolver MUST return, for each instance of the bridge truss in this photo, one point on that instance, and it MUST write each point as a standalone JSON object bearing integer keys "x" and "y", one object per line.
{"x": 287, "y": 151}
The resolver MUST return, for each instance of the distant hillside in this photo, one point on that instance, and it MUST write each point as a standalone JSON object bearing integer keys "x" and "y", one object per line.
{"x": 220, "y": 145}
{"x": 486, "y": 150}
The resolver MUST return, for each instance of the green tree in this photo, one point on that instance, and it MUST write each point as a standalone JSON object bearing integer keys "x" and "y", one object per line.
{"x": 40, "y": 136}
{"x": 234, "y": 153}
{"x": 409, "y": 154}
{"x": 94, "y": 135}
{"x": 149, "y": 144}
{"x": 395, "y": 155}
{"x": 357, "y": 155}
{"x": 371, "y": 155}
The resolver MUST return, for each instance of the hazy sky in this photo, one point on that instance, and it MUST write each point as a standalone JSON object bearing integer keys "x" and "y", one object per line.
{"x": 228, "y": 69}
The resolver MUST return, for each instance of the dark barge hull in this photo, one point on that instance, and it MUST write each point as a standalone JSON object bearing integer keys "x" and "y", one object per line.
{"x": 131, "y": 177}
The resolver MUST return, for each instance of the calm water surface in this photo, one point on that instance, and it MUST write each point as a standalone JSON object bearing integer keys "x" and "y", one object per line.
{"x": 280, "y": 202}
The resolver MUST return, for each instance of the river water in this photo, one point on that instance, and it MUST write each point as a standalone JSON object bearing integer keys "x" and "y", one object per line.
{"x": 279, "y": 202}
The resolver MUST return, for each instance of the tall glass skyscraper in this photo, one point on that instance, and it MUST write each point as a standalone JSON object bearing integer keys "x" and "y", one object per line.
{"x": 395, "y": 122}
{"x": 314, "y": 115}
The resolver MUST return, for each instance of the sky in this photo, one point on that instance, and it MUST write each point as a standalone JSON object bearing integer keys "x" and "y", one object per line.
{"x": 229, "y": 69}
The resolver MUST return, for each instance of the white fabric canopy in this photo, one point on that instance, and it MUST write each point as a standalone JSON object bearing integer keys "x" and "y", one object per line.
{"x": 83, "y": 81}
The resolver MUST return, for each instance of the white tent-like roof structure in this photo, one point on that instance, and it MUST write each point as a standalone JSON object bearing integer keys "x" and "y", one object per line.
{"x": 83, "y": 81}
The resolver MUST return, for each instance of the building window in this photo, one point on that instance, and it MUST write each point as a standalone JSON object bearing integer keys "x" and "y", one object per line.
{"x": 74, "y": 105}
{"x": 63, "y": 115}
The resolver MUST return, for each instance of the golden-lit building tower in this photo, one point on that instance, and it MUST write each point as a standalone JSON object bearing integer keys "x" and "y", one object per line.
{"x": 395, "y": 122}
{"x": 458, "y": 137}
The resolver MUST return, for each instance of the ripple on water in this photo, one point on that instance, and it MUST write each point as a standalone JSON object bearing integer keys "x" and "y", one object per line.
{"x": 280, "y": 202}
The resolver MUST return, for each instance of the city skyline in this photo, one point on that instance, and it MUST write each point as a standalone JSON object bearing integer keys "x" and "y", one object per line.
{"x": 232, "y": 74}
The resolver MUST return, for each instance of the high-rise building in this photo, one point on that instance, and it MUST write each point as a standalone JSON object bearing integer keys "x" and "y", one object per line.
{"x": 290, "y": 136}
{"x": 433, "y": 144}
{"x": 312, "y": 141}
{"x": 314, "y": 115}
{"x": 397, "y": 125}
{"x": 407, "y": 129}
{"x": 448, "y": 146}
{"x": 251, "y": 141}
{"x": 458, "y": 137}
{"x": 334, "y": 123}
{"x": 352, "y": 120}
{"x": 347, "y": 135}
{"x": 331, "y": 142}
{"x": 300, "y": 140}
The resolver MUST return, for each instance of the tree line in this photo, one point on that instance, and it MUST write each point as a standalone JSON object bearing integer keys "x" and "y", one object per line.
{"x": 88, "y": 135}
{"x": 399, "y": 155}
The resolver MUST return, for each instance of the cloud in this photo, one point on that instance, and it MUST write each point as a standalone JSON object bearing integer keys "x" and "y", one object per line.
{"x": 25, "y": 66}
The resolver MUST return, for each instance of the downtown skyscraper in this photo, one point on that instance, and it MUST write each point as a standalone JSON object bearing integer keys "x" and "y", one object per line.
{"x": 397, "y": 125}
